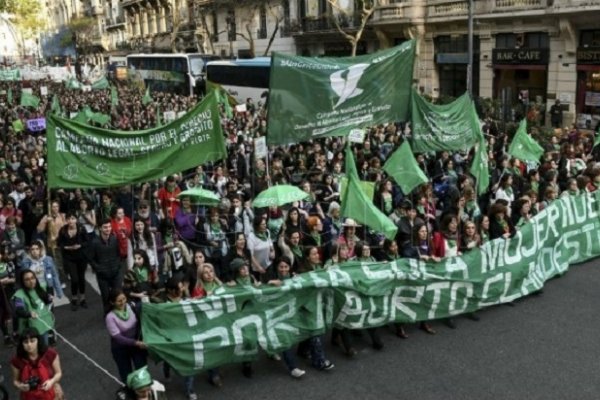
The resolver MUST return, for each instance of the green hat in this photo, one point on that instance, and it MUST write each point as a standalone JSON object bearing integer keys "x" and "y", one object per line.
{"x": 139, "y": 378}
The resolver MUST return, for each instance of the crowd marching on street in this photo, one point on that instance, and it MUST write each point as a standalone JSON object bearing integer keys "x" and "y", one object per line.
{"x": 145, "y": 243}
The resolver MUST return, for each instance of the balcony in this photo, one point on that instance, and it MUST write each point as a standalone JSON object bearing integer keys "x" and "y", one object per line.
{"x": 203, "y": 3}
{"x": 389, "y": 12}
{"x": 129, "y": 3}
{"x": 576, "y": 5}
{"x": 115, "y": 23}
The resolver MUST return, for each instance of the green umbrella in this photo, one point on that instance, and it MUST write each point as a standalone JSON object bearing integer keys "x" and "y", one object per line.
{"x": 279, "y": 195}
{"x": 201, "y": 196}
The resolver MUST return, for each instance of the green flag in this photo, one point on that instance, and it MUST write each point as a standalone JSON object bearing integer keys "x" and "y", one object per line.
{"x": 18, "y": 125}
{"x": 89, "y": 157}
{"x": 100, "y": 84}
{"x": 114, "y": 96}
{"x": 523, "y": 146}
{"x": 158, "y": 116}
{"x": 55, "y": 107}
{"x": 9, "y": 96}
{"x": 224, "y": 100}
{"x": 29, "y": 100}
{"x": 366, "y": 186}
{"x": 73, "y": 84}
{"x": 312, "y": 97}
{"x": 99, "y": 118}
{"x": 147, "y": 98}
{"x": 81, "y": 118}
{"x": 596, "y": 140}
{"x": 480, "y": 167}
{"x": 453, "y": 126}
{"x": 358, "y": 206}
{"x": 403, "y": 166}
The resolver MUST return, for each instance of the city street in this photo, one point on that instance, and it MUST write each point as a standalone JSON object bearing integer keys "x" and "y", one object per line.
{"x": 545, "y": 347}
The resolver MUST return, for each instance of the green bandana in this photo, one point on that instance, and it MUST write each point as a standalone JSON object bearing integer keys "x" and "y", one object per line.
{"x": 122, "y": 315}
{"x": 297, "y": 251}
{"x": 244, "y": 281}
{"x": 317, "y": 238}
{"x": 139, "y": 378}
{"x": 262, "y": 236}
{"x": 141, "y": 274}
{"x": 210, "y": 286}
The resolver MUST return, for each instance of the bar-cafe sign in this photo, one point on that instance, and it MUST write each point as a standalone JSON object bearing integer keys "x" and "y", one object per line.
{"x": 520, "y": 56}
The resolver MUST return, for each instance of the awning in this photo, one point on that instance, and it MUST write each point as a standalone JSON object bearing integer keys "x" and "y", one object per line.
{"x": 521, "y": 66}
{"x": 588, "y": 67}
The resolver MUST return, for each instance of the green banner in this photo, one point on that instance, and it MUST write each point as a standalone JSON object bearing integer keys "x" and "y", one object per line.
{"x": 83, "y": 156}
{"x": 10, "y": 75}
{"x": 29, "y": 100}
{"x": 453, "y": 126}
{"x": 323, "y": 96}
{"x": 231, "y": 325}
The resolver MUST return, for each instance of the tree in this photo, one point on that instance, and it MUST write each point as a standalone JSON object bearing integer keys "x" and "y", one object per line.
{"x": 25, "y": 14}
{"x": 362, "y": 9}
{"x": 247, "y": 14}
{"x": 81, "y": 31}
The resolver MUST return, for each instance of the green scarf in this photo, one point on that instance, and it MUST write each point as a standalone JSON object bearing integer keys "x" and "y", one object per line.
{"x": 535, "y": 186}
{"x": 244, "y": 281}
{"x": 210, "y": 286}
{"x": 215, "y": 228}
{"x": 317, "y": 238}
{"x": 504, "y": 225}
{"x": 262, "y": 236}
{"x": 508, "y": 191}
{"x": 141, "y": 274}
{"x": 297, "y": 251}
{"x": 122, "y": 315}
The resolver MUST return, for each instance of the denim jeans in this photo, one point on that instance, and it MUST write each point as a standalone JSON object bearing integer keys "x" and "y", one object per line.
{"x": 289, "y": 359}
{"x": 317, "y": 354}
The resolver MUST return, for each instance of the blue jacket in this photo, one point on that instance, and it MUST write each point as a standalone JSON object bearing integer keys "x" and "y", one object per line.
{"x": 50, "y": 274}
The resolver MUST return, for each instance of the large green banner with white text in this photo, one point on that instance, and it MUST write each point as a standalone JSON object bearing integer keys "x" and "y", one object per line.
{"x": 83, "y": 156}
{"x": 231, "y": 325}
{"x": 312, "y": 97}
{"x": 435, "y": 127}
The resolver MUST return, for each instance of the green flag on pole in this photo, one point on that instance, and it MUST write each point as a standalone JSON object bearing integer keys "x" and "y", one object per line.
{"x": 480, "y": 167}
{"x": 9, "y": 96}
{"x": 73, "y": 84}
{"x": 99, "y": 118}
{"x": 29, "y": 100}
{"x": 18, "y": 125}
{"x": 313, "y": 97}
{"x": 147, "y": 98}
{"x": 435, "y": 127}
{"x": 114, "y": 97}
{"x": 357, "y": 205}
{"x": 100, "y": 84}
{"x": 523, "y": 146}
{"x": 597, "y": 140}
{"x": 55, "y": 107}
{"x": 403, "y": 166}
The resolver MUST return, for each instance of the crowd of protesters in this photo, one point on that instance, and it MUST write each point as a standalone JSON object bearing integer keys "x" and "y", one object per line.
{"x": 147, "y": 244}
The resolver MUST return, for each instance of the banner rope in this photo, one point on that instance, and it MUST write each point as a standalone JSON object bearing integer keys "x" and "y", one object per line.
{"x": 90, "y": 359}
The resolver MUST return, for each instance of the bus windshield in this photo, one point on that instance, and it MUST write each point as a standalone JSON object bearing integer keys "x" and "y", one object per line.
{"x": 242, "y": 79}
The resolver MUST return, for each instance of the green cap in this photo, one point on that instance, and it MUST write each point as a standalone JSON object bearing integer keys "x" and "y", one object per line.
{"x": 139, "y": 378}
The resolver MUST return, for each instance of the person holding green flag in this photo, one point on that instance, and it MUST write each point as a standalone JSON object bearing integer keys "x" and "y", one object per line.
{"x": 147, "y": 98}
{"x": 32, "y": 305}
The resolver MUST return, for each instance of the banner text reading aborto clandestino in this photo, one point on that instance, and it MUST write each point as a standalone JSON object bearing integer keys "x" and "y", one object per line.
{"x": 231, "y": 325}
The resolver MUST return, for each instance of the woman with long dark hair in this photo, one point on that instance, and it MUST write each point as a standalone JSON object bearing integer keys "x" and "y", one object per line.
{"x": 36, "y": 368}
{"x": 143, "y": 239}
{"x": 72, "y": 240}
{"x": 32, "y": 305}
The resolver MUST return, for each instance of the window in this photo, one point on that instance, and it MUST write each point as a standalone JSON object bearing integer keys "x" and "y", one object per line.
{"x": 589, "y": 38}
{"x": 536, "y": 40}
{"x": 506, "y": 41}
{"x": 453, "y": 44}
{"x": 262, "y": 32}
{"x": 240, "y": 76}
{"x": 215, "y": 26}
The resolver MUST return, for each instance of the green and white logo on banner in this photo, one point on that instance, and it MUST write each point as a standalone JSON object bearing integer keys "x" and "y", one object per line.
{"x": 311, "y": 97}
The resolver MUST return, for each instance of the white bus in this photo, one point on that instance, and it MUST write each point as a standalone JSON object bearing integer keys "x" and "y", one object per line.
{"x": 243, "y": 78}
{"x": 175, "y": 73}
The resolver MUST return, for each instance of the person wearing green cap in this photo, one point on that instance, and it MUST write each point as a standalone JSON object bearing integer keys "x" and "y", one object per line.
{"x": 141, "y": 386}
